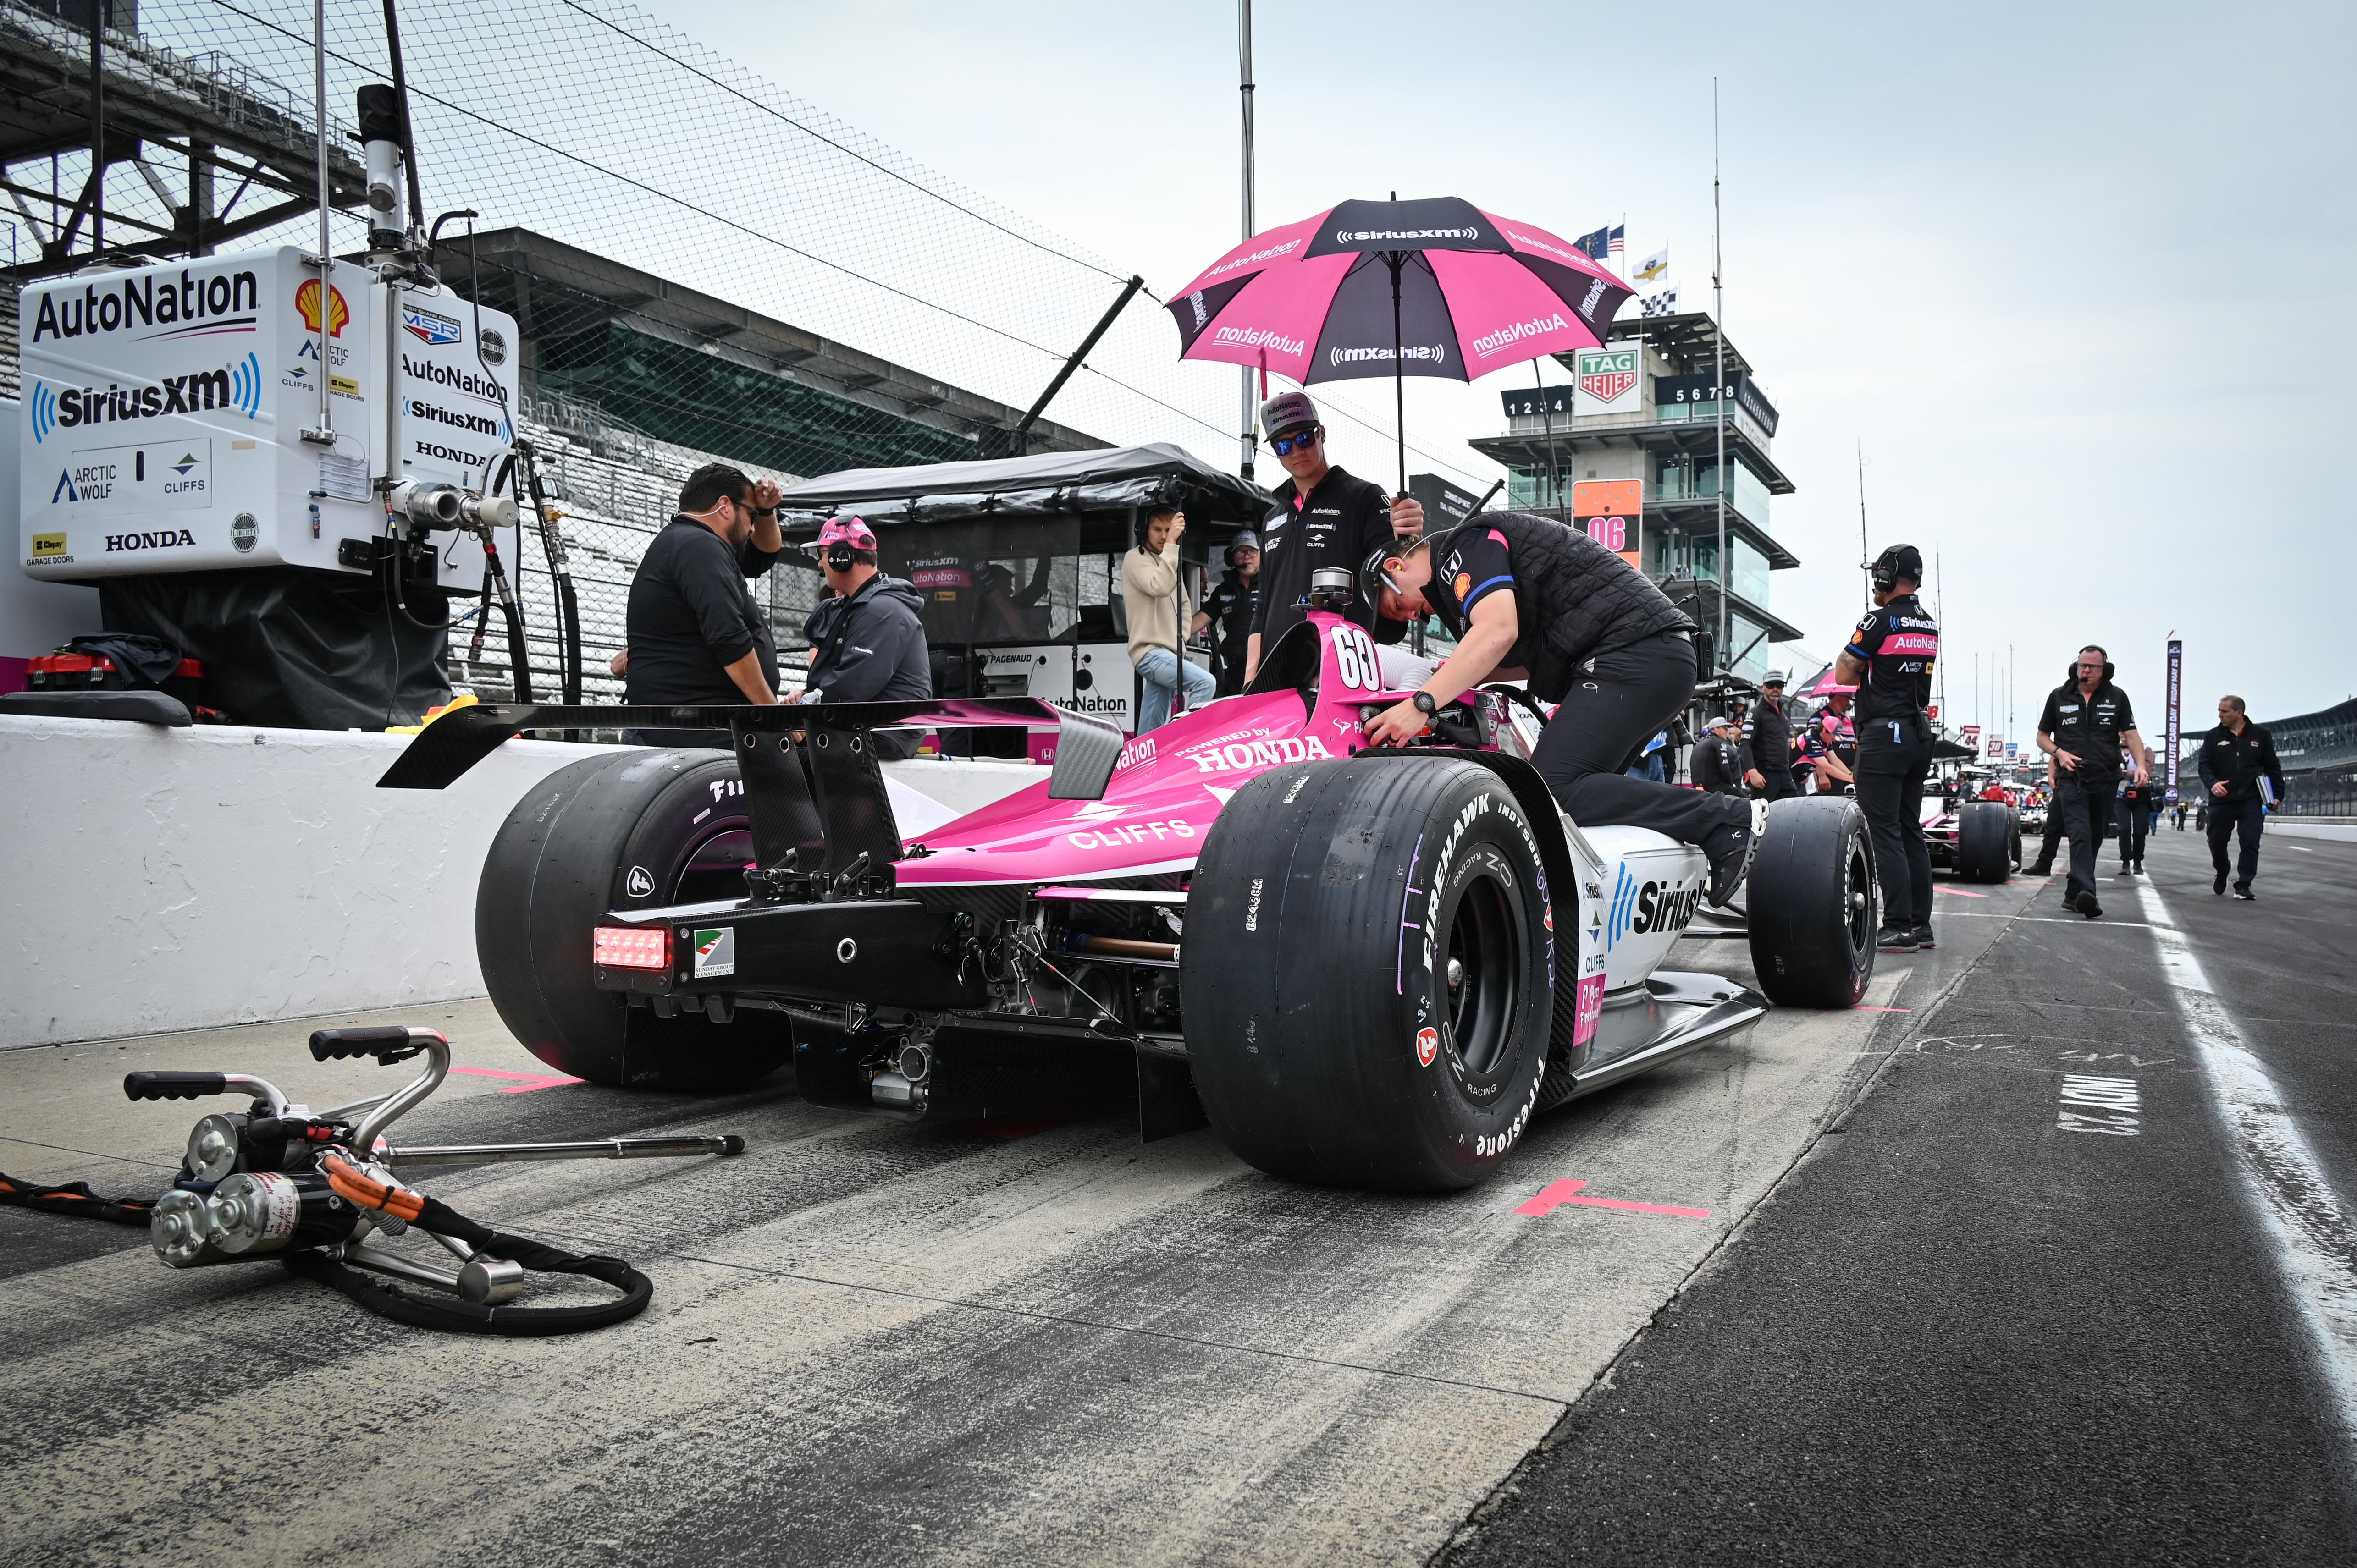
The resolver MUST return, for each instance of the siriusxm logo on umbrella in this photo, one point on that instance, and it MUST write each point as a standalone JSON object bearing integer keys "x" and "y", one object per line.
{"x": 1260, "y": 338}
{"x": 1412, "y": 236}
{"x": 1514, "y": 332}
{"x": 1437, "y": 354}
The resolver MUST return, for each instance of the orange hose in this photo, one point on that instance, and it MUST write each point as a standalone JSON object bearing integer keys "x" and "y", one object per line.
{"x": 370, "y": 1193}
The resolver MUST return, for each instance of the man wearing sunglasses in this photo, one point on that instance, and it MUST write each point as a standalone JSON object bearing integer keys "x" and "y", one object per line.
{"x": 1322, "y": 517}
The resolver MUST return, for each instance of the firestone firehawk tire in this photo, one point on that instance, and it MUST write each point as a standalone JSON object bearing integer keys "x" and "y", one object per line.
{"x": 1331, "y": 904}
{"x": 1809, "y": 903}
{"x": 1987, "y": 842}
{"x": 638, "y": 829}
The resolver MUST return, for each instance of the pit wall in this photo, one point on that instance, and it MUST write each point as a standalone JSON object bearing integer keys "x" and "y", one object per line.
{"x": 163, "y": 879}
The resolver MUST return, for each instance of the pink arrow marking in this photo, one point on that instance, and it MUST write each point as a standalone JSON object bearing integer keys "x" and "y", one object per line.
{"x": 531, "y": 1080}
{"x": 1555, "y": 1194}
{"x": 1959, "y": 892}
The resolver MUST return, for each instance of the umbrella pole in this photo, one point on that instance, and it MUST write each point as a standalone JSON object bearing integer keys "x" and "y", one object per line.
{"x": 1399, "y": 379}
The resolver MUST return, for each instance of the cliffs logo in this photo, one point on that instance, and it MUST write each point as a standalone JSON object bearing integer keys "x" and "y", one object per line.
{"x": 306, "y": 306}
{"x": 1607, "y": 374}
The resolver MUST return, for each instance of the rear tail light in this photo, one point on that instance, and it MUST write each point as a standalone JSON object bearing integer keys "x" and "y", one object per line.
{"x": 634, "y": 946}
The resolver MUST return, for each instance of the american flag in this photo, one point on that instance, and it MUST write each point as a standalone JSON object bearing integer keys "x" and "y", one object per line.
{"x": 1611, "y": 240}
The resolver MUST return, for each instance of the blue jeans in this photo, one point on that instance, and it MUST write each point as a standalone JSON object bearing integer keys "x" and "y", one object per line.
{"x": 1158, "y": 684}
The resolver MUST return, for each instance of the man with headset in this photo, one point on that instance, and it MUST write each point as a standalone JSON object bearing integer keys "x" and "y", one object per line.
{"x": 1890, "y": 659}
{"x": 2086, "y": 722}
{"x": 1528, "y": 598}
{"x": 866, "y": 643}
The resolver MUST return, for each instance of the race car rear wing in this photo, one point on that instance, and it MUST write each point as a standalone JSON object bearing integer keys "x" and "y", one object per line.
{"x": 821, "y": 817}
{"x": 1086, "y": 749}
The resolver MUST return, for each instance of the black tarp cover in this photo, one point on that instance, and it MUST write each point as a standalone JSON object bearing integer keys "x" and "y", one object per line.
{"x": 1047, "y": 484}
{"x": 288, "y": 647}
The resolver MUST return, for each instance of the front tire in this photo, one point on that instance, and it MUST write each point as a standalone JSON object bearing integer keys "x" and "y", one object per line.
{"x": 1368, "y": 973}
{"x": 1812, "y": 906}
{"x": 638, "y": 828}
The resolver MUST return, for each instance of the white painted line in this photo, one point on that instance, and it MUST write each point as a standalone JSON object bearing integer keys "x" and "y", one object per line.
{"x": 2315, "y": 1244}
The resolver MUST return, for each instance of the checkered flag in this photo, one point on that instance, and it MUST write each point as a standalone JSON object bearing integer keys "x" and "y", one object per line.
{"x": 1661, "y": 304}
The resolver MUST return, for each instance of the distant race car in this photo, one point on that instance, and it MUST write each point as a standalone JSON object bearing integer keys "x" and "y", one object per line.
{"x": 1362, "y": 966}
{"x": 1979, "y": 841}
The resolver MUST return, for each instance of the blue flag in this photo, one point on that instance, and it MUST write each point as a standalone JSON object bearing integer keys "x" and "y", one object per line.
{"x": 1596, "y": 246}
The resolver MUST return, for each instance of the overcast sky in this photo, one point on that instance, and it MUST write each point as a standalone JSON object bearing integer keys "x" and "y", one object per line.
{"x": 2078, "y": 277}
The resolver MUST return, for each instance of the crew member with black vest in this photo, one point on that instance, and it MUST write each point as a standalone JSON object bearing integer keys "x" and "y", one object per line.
{"x": 1767, "y": 741}
{"x": 2240, "y": 774}
{"x": 867, "y": 644}
{"x": 1322, "y": 517}
{"x": 2086, "y": 723}
{"x": 2132, "y": 817}
{"x": 1890, "y": 659}
{"x": 1227, "y": 612}
{"x": 1717, "y": 760}
{"x": 1529, "y": 598}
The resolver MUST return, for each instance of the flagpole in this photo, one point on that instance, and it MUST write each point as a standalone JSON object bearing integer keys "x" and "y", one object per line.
{"x": 1718, "y": 389}
{"x": 1244, "y": 89}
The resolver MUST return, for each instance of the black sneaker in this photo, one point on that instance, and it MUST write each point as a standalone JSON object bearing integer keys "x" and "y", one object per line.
{"x": 1894, "y": 939}
{"x": 2242, "y": 892}
{"x": 2087, "y": 905}
{"x": 2139, "y": 867}
{"x": 1730, "y": 850}
{"x": 2220, "y": 884}
{"x": 2126, "y": 870}
{"x": 2043, "y": 868}
{"x": 1923, "y": 938}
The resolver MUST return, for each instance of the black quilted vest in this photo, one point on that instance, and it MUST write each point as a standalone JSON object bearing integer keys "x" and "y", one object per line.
{"x": 1583, "y": 598}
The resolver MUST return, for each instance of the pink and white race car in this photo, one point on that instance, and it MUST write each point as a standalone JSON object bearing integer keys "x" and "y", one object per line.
{"x": 1361, "y": 966}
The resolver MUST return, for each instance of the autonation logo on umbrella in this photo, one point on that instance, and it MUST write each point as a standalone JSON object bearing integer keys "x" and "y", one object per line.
{"x": 1260, "y": 338}
{"x": 1514, "y": 332}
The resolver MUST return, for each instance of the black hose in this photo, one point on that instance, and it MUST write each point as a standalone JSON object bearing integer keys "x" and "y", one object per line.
{"x": 390, "y": 1301}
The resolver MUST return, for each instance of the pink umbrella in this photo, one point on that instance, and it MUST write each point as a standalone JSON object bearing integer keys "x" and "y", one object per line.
{"x": 1433, "y": 287}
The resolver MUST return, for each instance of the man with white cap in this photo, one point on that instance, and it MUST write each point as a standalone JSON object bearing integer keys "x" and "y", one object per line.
{"x": 1323, "y": 517}
{"x": 1717, "y": 761}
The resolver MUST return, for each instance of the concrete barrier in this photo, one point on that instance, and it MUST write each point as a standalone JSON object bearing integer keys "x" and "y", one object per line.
{"x": 161, "y": 879}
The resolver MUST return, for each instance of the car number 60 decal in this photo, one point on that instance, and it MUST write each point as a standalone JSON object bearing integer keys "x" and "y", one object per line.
{"x": 1354, "y": 656}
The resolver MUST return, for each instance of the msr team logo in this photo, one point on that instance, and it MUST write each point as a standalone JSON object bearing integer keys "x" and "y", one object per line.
{"x": 428, "y": 327}
{"x": 715, "y": 953}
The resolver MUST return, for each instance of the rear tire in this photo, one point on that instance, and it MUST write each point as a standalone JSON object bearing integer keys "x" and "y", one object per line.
{"x": 1810, "y": 909}
{"x": 1318, "y": 882}
{"x": 1985, "y": 842}
{"x": 638, "y": 828}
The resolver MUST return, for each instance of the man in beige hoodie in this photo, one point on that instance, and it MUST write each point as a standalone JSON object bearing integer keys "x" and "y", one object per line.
{"x": 1156, "y": 600}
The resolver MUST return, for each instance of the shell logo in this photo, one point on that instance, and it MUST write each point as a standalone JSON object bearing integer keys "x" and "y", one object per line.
{"x": 1464, "y": 585}
{"x": 307, "y": 305}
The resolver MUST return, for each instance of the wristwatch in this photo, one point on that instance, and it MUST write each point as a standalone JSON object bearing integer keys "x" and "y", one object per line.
{"x": 1424, "y": 704}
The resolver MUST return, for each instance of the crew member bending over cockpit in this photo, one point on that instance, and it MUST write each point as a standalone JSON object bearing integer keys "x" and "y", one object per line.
{"x": 1528, "y": 598}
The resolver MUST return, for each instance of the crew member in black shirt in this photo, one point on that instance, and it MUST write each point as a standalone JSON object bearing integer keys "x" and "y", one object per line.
{"x": 1890, "y": 659}
{"x": 2235, "y": 757}
{"x": 1227, "y": 612}
{"x": 1717, "y": 760}
{"x": 1528, "y": 598}
{"x": 695, "y": 635}
{"x": 1323, "y": 517}
{"x": 1767, "y": 741}
{"x": 2086, "y": 721}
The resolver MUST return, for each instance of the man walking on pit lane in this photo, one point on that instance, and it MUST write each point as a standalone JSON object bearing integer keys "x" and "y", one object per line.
{"x": 1890, "y": 659}
{"x": 1323, "y": 517}
{"x": 2240, "y": 771}
{"x": 2086, "y": 723}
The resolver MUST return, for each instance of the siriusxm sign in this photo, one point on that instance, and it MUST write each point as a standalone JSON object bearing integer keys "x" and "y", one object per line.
{"x": 235, "y": 388}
